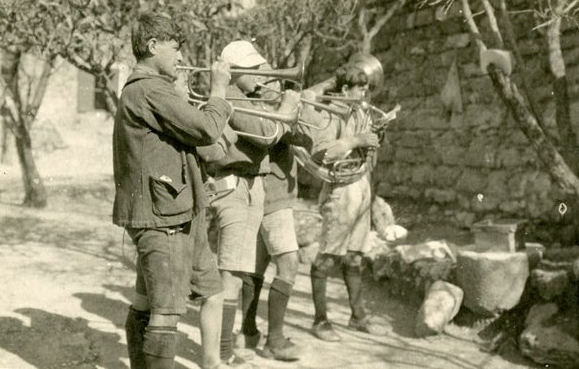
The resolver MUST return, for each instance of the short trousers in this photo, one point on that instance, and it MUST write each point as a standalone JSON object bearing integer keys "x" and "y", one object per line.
{"x": 238, "y": 215}
{"x": 346, "y": 213}
{"x": 205, "y": 278}
{"x": 170, "y": 267}
{"x": 278, "y": 232}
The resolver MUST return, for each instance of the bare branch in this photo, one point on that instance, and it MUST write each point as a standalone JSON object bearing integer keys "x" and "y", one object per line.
{"x": 386, "y": 17}
{"x": 554, "y": 43}
{"x": 472, "y": 25}
{"x": 493, "y": 22}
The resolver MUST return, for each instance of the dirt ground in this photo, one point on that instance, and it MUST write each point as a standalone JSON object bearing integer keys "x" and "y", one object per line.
{"x": 67, "y": 275}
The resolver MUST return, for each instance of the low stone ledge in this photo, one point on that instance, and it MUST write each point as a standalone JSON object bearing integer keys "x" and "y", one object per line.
{"x": 550, "y": 336}
{"x": 493, "y": 282}
{"x": 413, "y": 268}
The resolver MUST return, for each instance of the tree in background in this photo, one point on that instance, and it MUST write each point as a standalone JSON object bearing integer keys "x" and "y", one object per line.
{"x": 98, "y": 39}
{"x": 289, "y": 33}
{"x": 556, "y": 152}
{"x": 304, "y": 31}
{"x": 90, "y": 34}
{"x": 491, "y": 24}
{"x": 26, "y": 28}
{"x": 94, "y": 36}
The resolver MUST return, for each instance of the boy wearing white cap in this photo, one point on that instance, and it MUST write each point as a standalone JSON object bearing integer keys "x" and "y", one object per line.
{"x": 239, "y": 211}
{"x": 277, "y": 242}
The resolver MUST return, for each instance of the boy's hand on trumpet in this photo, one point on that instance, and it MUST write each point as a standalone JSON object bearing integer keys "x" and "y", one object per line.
{"x": 220, "y": 78}
{"x": 309, "y": 114}
{"x": 309, "y": 95}
{"x": 367, "y": 140}
{"x": 289, "y": 102}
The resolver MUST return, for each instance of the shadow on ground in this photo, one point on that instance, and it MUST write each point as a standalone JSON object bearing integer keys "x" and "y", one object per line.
{"x": 44, "y": 345}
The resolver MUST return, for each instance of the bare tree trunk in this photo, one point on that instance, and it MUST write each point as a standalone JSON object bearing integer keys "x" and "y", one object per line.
{"x": 567, "y": 138}
{"x": 546, "y": 151}
{"x": 521, "y": 110}
{"x": 7, "y": 141}
{"x": 511, "y": 41}
{"x": 111, "y": 101}
{"x": 35, "y": 193}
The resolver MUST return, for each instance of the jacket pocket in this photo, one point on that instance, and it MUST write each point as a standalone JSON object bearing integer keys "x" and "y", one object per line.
{"x": 170, "y": 197}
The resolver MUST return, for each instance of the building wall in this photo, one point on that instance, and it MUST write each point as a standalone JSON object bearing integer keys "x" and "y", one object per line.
{"x": 60, "y": 100}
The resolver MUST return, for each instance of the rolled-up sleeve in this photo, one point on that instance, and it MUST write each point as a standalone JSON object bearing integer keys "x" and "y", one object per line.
{"x": 321, "y": 138}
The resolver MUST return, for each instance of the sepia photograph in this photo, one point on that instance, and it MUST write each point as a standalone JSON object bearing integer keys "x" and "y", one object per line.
{"x": 422, "y": 155}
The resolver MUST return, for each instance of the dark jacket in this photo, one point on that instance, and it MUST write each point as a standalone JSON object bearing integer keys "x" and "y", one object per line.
{"x": 157, "y": 177}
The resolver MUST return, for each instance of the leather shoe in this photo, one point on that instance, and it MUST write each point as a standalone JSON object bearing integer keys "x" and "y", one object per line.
{"x": 364, "y": 325}
{"x": 286, "y": 351}
{"x": 324, "y": 331}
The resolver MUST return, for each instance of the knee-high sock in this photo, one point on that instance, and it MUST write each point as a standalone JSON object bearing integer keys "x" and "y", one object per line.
{"x": 229, "y": 310}
{"x": 353, "y": 277}
{"x": 279, "y": 295}
{"x": 135, "y": 326}
{"x": 250, "y": 292}
{"x": 160, "y": 346}
{"x": 319, "y": 281}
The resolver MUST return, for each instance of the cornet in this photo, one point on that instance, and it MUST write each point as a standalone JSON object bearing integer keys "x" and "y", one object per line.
{"x": 295, "y": 74}
{"x": 284, "y": 118}
{"x": 342, "y": 108}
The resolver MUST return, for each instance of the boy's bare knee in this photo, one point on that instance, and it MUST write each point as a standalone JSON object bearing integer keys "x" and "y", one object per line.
{"x": 287, "y": 265}
{"x": 213, "y": 300}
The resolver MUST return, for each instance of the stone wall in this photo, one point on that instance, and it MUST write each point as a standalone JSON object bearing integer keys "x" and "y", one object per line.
{"x": 470, "y": 163}
{"x": 473, "y": 163}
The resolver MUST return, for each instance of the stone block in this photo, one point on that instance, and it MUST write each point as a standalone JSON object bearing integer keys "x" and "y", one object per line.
{"x": 472, "y": 181}
{"x": 550, "y": 283}
{"x": 549, "y": 336}
{"x": 535, "y": 253}
{"x": 452, "y": 155}
{"x": 499, "y": 235}
{"x": 423, "y": 174}
{"x": 457, "y": 41}
{"x": 440, "y": 306}
{"x": 412, "y": 268}
{"x": 382, "y": 214}
{"x": 492, "y": 281}
{"x": 440, "y": 196}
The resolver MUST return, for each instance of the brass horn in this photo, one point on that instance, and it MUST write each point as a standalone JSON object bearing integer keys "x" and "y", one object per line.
{"x": 341, "y": 109}
{"x": 349, "y": 170}
{"x": 295, "y": 74}
{"x": 367, "y": 62}
{"x": 284, "y": 118}
{"x": 320, "y": 98}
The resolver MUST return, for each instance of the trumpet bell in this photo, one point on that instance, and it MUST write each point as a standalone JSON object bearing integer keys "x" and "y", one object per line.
{"x": 368, "y": 63}
{"x": 371, "y": 67}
